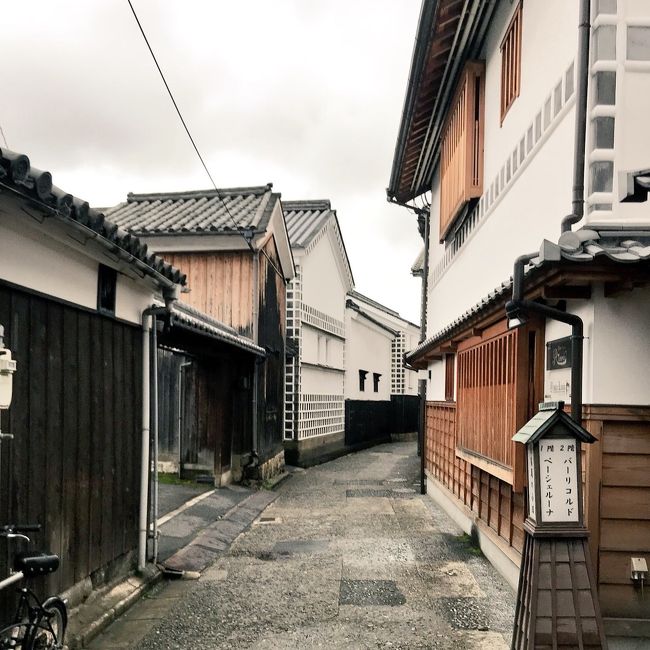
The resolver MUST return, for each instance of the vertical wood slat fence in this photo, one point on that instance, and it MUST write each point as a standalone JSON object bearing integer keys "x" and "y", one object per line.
{"x": 73, "y": 465}
{"x": 487, "y": 398}
{"x": 490, "y": 499}
{"x": 461, "y": 151}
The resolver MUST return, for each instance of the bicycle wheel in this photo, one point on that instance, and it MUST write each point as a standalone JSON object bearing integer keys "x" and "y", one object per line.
{"x": 15, "y": 636}
{"x": 49, "y": 631}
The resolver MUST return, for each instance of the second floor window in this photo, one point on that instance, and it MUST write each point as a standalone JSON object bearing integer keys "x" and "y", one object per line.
{"x": 362, "y": 380}
{"x": 106, "y": 289}
{"x": 461, "y": 153}
{"x": 511, "y": 63}
{"x": 375, "y": 381}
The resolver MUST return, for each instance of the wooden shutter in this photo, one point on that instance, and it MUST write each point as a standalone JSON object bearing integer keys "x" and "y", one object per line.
{"x": 511, "y": 63}
{"x": 461, "y": 157}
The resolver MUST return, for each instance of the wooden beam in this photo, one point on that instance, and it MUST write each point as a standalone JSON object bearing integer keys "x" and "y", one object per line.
{"x": 567, "y": 292}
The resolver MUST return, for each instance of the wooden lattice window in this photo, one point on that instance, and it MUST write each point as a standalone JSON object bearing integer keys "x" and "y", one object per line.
{"x": 511, "y": 63}
{"x": 500, "y": 380}
{"x": 461, "y": 153}
{"x": 450, "y": 377}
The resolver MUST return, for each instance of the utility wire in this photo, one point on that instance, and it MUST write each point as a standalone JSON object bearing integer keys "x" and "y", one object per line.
{"x": 3, "y": 136}
{"x": 240, "y": 230}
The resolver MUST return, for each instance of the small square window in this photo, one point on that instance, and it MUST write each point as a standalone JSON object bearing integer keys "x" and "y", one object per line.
{"x": 606, "y": 7}
{"x": 604, "y": 43}
{"x": 604, "y": 132}
{"x": 569, "y": 83}
{"x": 557, "y": 99}
{"x": 362, "y": 380}
{"x": 106, "y": 289}
{"x": 638, "y": 43}
{"x": 606, "y": 88}
{"x": 602, "y": 176}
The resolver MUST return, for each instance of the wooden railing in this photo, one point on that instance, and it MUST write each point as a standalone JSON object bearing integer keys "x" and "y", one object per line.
{"x": 461, "y": 158}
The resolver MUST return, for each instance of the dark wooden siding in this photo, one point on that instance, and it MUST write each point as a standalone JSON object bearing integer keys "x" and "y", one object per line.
{"x": 272, "y": 319}
{"x": 73, "y": 465}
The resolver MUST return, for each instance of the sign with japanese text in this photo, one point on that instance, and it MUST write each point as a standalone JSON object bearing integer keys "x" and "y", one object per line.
{"x": 531, "y": 483}
{"x": 558, "y": 475}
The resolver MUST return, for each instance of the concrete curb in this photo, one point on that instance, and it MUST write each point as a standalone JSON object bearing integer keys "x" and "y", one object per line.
{"x": 81, "y": 638}
{"x": 272, "y": 483}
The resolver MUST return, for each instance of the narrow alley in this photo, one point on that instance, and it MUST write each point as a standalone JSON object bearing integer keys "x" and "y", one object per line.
{"x": 349, "y": 555}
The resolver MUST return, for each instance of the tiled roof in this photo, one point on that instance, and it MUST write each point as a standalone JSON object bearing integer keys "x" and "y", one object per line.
{"x": 359, "y": 296}
{"x": 18, "y": 176}
{"x": 350, "y": 304}
{"x": 197, "y": 212}
{"x": 305, "y": 219}
{"x": 204, "y": 324}
{"x": 583, "y": 245}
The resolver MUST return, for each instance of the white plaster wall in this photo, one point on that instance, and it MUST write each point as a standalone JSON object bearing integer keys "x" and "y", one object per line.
{"x": 321, "y": 382}
{"x": 368, "y": 347}
{"x": 530, "y": 210}
{"x": 32, "y": 259}
{"x": 436, "y": 382}
{"x": 621, "y": 349}
{"x": 322, "y": 285}
{"x": 44, "y": 258}
{"x": 549, "y": 45}
{"x": 632, "y": 136}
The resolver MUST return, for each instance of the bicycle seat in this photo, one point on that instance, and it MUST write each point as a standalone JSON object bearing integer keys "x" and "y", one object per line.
{"x": 35, "y": 564}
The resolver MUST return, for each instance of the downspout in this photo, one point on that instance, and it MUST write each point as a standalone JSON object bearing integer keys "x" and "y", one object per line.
{"x": 149, "y": 367}
{"x": 517, "y": 305}
{"x": 578, "y": 209}
{"x": 423, "y": 336}
{"x": 256, "y": 365}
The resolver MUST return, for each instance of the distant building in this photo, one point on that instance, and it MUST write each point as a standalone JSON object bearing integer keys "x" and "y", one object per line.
{"x": 234, "y": 248}
{"x": 315, "y": 411}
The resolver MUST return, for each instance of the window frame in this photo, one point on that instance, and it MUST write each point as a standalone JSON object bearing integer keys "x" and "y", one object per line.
{"x": 511, "y": 62}
{"x": 362, "y": 380}
{"x": 106, "y": 289}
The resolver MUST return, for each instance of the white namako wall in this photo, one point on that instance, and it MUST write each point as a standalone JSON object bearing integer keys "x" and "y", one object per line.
{"x": 43, "y": 257}
{"x": 367, "y": 347}
{"x": 316, "y": 318}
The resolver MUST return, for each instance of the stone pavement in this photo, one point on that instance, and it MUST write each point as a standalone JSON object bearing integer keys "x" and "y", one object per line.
{"x": 348, "y": 556}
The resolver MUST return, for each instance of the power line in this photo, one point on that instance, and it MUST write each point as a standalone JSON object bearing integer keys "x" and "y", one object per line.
{"x": 240, "y": 230}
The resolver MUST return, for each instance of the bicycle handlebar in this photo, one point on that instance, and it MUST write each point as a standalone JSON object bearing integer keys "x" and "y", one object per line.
{"x": 10, "y": 529}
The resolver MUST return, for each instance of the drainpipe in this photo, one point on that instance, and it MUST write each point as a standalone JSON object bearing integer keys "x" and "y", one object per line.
{"x": 578, "y": 209}
{"x": 423, "y": 335}
{"x": 149, "y": 368}
{"x": 517, "y": 307}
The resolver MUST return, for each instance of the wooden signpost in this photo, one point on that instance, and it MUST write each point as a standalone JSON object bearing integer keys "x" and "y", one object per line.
{"x": 557, "y": 600}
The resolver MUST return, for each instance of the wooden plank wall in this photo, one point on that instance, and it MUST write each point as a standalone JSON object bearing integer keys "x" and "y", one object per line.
{"x": 271, "y": 335}
{"x": 74, "y": 463}
{"x": 619, "y": 474}
{"x": 221, "y": 285}
{"x": 491, "y": 500}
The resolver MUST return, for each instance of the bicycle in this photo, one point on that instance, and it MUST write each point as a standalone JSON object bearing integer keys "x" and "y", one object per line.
{"x": 36, "y": 625}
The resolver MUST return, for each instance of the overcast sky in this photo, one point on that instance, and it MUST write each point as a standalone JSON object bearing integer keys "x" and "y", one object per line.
{"x": 306, "y": 94}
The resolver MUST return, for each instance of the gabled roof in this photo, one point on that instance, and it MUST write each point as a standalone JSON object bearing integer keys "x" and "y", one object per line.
{"x": 390, "y": 313}
{"x": 306, "y": 219}
{"x": 350, "y": 304}
{"x": 222, "y": 211}
{"x": 35, "y": 186}
{"x": 432, "y": 79}
{"x": 546, "y": 419}
{"x": 622, "y": 248}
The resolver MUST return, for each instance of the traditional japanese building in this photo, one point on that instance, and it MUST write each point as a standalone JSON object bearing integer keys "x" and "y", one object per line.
{"x": 516, "y": 115}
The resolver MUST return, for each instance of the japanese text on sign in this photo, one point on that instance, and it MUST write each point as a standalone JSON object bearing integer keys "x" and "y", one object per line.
{"x": 558, "y": 474}
{"x": 531, "y": 483}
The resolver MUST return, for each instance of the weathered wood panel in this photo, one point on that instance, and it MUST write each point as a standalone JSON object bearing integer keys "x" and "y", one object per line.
{"x": 492, "y": 500}
{"x": 75, "y": 416}
{"x": 221, "y": 285}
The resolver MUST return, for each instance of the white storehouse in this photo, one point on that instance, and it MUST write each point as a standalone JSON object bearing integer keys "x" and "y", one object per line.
{"x": 403, "y": 381}
{"x": 314, "y": 406}
{"x": 494, "y": 116}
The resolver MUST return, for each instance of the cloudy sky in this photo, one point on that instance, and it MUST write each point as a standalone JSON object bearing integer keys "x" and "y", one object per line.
{"x": 306, "y": 94}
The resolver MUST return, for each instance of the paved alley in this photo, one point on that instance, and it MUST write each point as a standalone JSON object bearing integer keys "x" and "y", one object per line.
{"x": 348, "y": 556}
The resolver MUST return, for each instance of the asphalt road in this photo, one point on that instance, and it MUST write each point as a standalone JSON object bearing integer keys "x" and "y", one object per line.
{"x": 348, "y": 556}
